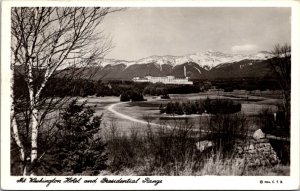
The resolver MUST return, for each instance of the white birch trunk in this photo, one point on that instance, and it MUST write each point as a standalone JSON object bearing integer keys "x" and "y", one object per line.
{"x": 34, "y": 134}
{"x": 33, "y": 117}
{"x": 15, "y": 130}
{"x": 17, "y": 138}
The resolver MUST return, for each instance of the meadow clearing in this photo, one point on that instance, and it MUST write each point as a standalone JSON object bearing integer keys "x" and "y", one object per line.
{"x": 148, "y": 111}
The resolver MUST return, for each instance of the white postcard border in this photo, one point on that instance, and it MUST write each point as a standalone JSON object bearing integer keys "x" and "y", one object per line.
{"x": 168, "y": 182}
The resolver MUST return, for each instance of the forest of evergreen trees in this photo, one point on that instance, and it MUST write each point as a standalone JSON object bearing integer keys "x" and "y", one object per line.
{"x": 212, "y": 106}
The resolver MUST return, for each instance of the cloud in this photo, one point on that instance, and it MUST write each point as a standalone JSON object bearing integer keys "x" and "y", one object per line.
{"x": 243, "y": 48}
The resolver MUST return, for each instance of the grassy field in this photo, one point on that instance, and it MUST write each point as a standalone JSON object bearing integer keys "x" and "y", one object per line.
{"x": 149, "y": 110}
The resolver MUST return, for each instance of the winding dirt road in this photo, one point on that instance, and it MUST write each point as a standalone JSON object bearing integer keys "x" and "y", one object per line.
{"x": 111, "y": 109}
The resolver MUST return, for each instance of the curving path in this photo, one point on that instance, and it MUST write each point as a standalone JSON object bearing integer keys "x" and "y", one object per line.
{"x": 111, "y": 109}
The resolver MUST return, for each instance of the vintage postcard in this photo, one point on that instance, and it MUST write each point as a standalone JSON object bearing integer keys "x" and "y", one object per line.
{"x": 150, "y": 95}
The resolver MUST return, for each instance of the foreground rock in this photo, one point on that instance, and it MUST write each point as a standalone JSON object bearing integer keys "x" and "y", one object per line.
{"x": 203, "y": 145}
{"x": 258, "y": 134}
{"x": 257, "y": 152}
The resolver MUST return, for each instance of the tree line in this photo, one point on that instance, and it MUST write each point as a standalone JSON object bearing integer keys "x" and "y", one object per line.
{"x": 65, "y": 87}
{"x": 212, "y": 106}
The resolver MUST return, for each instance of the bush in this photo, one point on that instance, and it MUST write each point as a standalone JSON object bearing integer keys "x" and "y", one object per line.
{"x": 162, "y": 109}
{"x": 169, "y": 108}
{"x": 165, "y": 96}
{"x": 136, "y": 96}
{"x": 221, "y": 106}
{"x": 125, "y": 97}
{"x": 132, "y": 95}
{"x": 178, "y": 108}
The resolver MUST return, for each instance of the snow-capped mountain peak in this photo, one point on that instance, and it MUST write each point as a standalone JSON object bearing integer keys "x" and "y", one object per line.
{"x": 207, "y": 60}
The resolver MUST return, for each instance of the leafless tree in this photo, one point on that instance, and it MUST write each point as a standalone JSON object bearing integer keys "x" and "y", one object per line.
{"x": 44, "y": 41}
{"x": 281, "y": 66}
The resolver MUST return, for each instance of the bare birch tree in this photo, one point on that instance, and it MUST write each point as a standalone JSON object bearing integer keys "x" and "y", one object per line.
{"x": 44, "y": 41}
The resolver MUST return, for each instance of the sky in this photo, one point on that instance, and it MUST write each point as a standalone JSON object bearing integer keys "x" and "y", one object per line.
{"x": 141, "y": 32}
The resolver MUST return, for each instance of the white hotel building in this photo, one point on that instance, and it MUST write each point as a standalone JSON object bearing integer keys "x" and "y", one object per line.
{"x": 164, "y": 80}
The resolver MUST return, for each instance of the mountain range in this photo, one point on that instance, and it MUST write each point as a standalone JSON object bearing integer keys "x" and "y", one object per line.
{"x": 203, "y": 65}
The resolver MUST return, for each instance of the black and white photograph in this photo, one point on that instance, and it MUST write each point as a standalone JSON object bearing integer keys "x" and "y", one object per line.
{"x": 128, "y": 95}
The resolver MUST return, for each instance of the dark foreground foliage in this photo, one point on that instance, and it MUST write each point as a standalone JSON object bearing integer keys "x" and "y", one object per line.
{"x": 74, "y": 146}
{"x": 78, "y": 147}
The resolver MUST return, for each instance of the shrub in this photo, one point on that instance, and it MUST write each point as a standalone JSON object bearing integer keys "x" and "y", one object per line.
{"x": 162, "y": 109}
{"x": 125, "y": 97}
{"x": 178, "y": 108}
{"x": 136, "y": 96}
{"x": 189, "y": 108}
{"x": 169, "y": 108}
{"x": 221, "y": 106}
{"x": 132, "y": 95}
{"x": 165, "y": 96}
{"x": 199, "y": 107}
